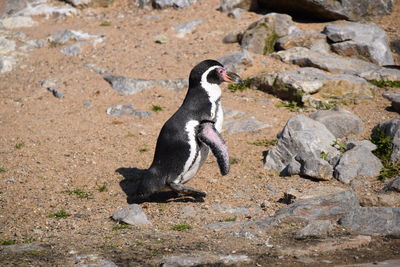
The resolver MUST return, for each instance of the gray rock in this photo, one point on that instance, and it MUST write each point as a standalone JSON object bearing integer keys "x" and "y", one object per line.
{"x": 260, "y": 37}
{"x": 364, "y": 41}
{"x": 227, "y": 209}
{"x": 50, "y": 85}
{"x": 23, "y": 248}
{"x": 131, "y": 86}
{"x": 394, "y": 97}
{"x": 385, "y": 74}
{"x": 373, "y": 221}
{"x": 392, "y": 128}
{"x": 332, "y": 207}
{"x": 62, "y": 37}
{"x": 17, "y": 22}
{"x": 393, "y": 185}
{"x": 187, "y": 27}
{"x": 6, "y": 46}
{"x": 313, "y": 167}
{"x": 172, "y": 3}
{"x": 350, "y": 144}
{"x": 235, "y": 13}
{"x": 7, "y": 63}
{"x": 305, "y": 138}
{"x": 395, "y": 45}
{"x": 92, "y": 260}
{"x": 132, "y": 214}
{"x": 331, "y": 10}
{"x": 97, "y": 69}
{"x": 73, "y": 50}
{"x": 236, "y": 126}
{"x": 42, "y": 8}
{"x": 237, "y": 62}
{"x": 315, "y": 229}
{"x": 301, "y": 39}
{"x": 127, "y": 110}
{"x": 329, "y": 62}
{"x": 229, "y": 5}
{"x": 56, "y": 93}
{"x": 339, "y": 121}
{"x": 232, "y": 37}
{"x": 204, "y": 259}
{"x": 313, "y": 87}
{"x": 356, "y": 162}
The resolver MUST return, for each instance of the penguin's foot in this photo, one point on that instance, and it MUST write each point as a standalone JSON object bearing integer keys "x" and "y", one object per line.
{"x": 187, "y": 191}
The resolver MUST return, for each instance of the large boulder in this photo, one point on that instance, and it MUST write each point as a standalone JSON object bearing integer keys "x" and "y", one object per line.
{"x": 310, "y": 39}
{"x": 300, "y": 146}
{"x": 313, "y": 87}
{"x": 339, "y": 121}
{"x": 364, "y": 41}
{"x": 260, "y": 37}
{"x": 330, "y": 10}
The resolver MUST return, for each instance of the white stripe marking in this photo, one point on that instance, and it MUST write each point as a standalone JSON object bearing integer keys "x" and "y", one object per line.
{"x": 213, "y": 90}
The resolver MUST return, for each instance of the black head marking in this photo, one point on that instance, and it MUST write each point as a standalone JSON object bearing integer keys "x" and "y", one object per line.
{"x": 199, "y": 69}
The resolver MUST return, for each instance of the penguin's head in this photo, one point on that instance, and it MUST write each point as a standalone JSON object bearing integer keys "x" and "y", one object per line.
{"x": 212, "y": 72}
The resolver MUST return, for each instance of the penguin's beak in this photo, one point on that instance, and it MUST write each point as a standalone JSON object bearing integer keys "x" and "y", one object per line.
{"x": 231, "y": 77}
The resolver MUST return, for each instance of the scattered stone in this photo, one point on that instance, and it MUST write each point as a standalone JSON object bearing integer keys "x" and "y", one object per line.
{"x": 23, "y": 248}
{"x": 373, "y": 220}
{"x": 313, "y": 87}
{"x": 305, "y": 57}
{"x": 172, "y": 3}
{"x": 331, "y": 10}
{"x": 308, "y": 39}
{"x": 56, "y": 93}
{"x": 232, "y": 113}
{"x": 161, "y": 39}
{"x": 306, "y": 139}
{"x": 204, "y": 259}
{"x": 364, "y": 41}
{"x": 394, "y": 97}
{"x": 6, "y": 63}
{"x": 383, "y": 73}
{"x": 127, "y": 110}
{"x": 41, "y": 8}
{"x": 64, "y": 36}
{"x": 236, "y": 126}
{"x": 78, "y": 3}
{"x": 6, "y": 46}
{"x": 332, "y": 207}
{"x": 92, "y": 260}
{"x": 315, "y": 229}
{"x": 357, "y": 162}
{"x": 73, "y": 50}
{"x": 132, "y": 214}
{"x": 339, "y": 121}
{"x": 235, "y": 13}
{"x": 392, "y": 128}
{"x": 17, "y": 22}
{"x": 232, "y": 37}
{"x": 393, "y": 185}
{"x": 131, "y": 86}
{"x": 50, "y": 85}
{"x": 237, "y": 62}
{"x": 97, "y": 69}
{"x": 187, "y": 27}
{"x": 229, "y": 5}
{"x": 260, "y": 37}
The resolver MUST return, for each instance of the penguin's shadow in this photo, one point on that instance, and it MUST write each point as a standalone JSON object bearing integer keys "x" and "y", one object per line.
{"x": 131, "y": 175}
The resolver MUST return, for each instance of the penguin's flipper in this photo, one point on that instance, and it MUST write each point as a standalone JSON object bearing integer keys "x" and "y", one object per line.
{"x": 211, "y": 137}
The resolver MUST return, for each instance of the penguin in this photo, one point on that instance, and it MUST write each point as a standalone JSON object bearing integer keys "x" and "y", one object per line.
{"x": 186, "y": 139}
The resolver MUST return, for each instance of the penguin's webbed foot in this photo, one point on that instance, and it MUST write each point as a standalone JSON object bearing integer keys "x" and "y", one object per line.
{"x": 187, "y": 191}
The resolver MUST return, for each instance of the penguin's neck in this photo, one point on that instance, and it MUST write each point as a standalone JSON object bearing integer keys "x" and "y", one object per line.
{"x": 213, "y": 90}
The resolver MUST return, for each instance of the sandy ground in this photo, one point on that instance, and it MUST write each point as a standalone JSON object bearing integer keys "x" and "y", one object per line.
{"x": 49, "y": 145}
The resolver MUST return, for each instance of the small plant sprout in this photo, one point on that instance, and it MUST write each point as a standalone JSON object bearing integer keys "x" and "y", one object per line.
{"x": 339, "y": 146}
{"x": 382, "y": 83}
{"x": 19, "y": 145}
{"x": 240, "y": 86}
{"x": 2, "y": 169}
{"x": 105, "y": 24}
{"x": 233, "y": 161}
{"x": 292, "y": 106}
{"x": 7, "y": 242}
{"x": 60, "y": 214}
{"x": 143, "y": 149}
{"x": 102, "y": 188}
{"x": 129, "y": 134}
{"x": 120, "y": 226}
{"x": 156, "y": 108}
{"x": 324, "y": 155}
{"x": 230, "y": 219}
{"x": 181, "y": 227}
{"x": 265, "y": 142}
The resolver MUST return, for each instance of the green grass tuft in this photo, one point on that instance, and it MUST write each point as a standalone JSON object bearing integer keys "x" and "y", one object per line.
{"x": 292, "y": 106}
{"x": 129, "y": 134}
{"x": 60, "y": 214}
{"x": 3, "y": 170}
{"x": 105, "y": 24}
{"x": 324, "y": 155}
{"x": 181, "y": 227}
{"x": 102, "y": 188}
{"x": 265, "y": 142}
{"x": 381, "y": 83}
{"x": 120, "y": 226}
{"x": 79, "y": 193}
{"x": 230, "y": 219}
{"x": 7, "y": 242}
{"x": 240, "y": 86}
{"x": 339, "y": 146}
{"x": 19, "y": 145}
{"x": 156, "y": 108}
{"x": 143, "y": 149}
{"x": 233, "y": 160}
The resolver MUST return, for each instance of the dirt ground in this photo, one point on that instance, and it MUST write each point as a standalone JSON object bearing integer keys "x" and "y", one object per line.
{"x": 51, "y": 146}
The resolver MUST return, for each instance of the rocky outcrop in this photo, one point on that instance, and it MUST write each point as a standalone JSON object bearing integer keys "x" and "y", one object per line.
{"x": 391, "y": 128}
{"x": 260, "y": 37}
{"x": 364, "y": 41}
{"x": 330, "y": 10}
